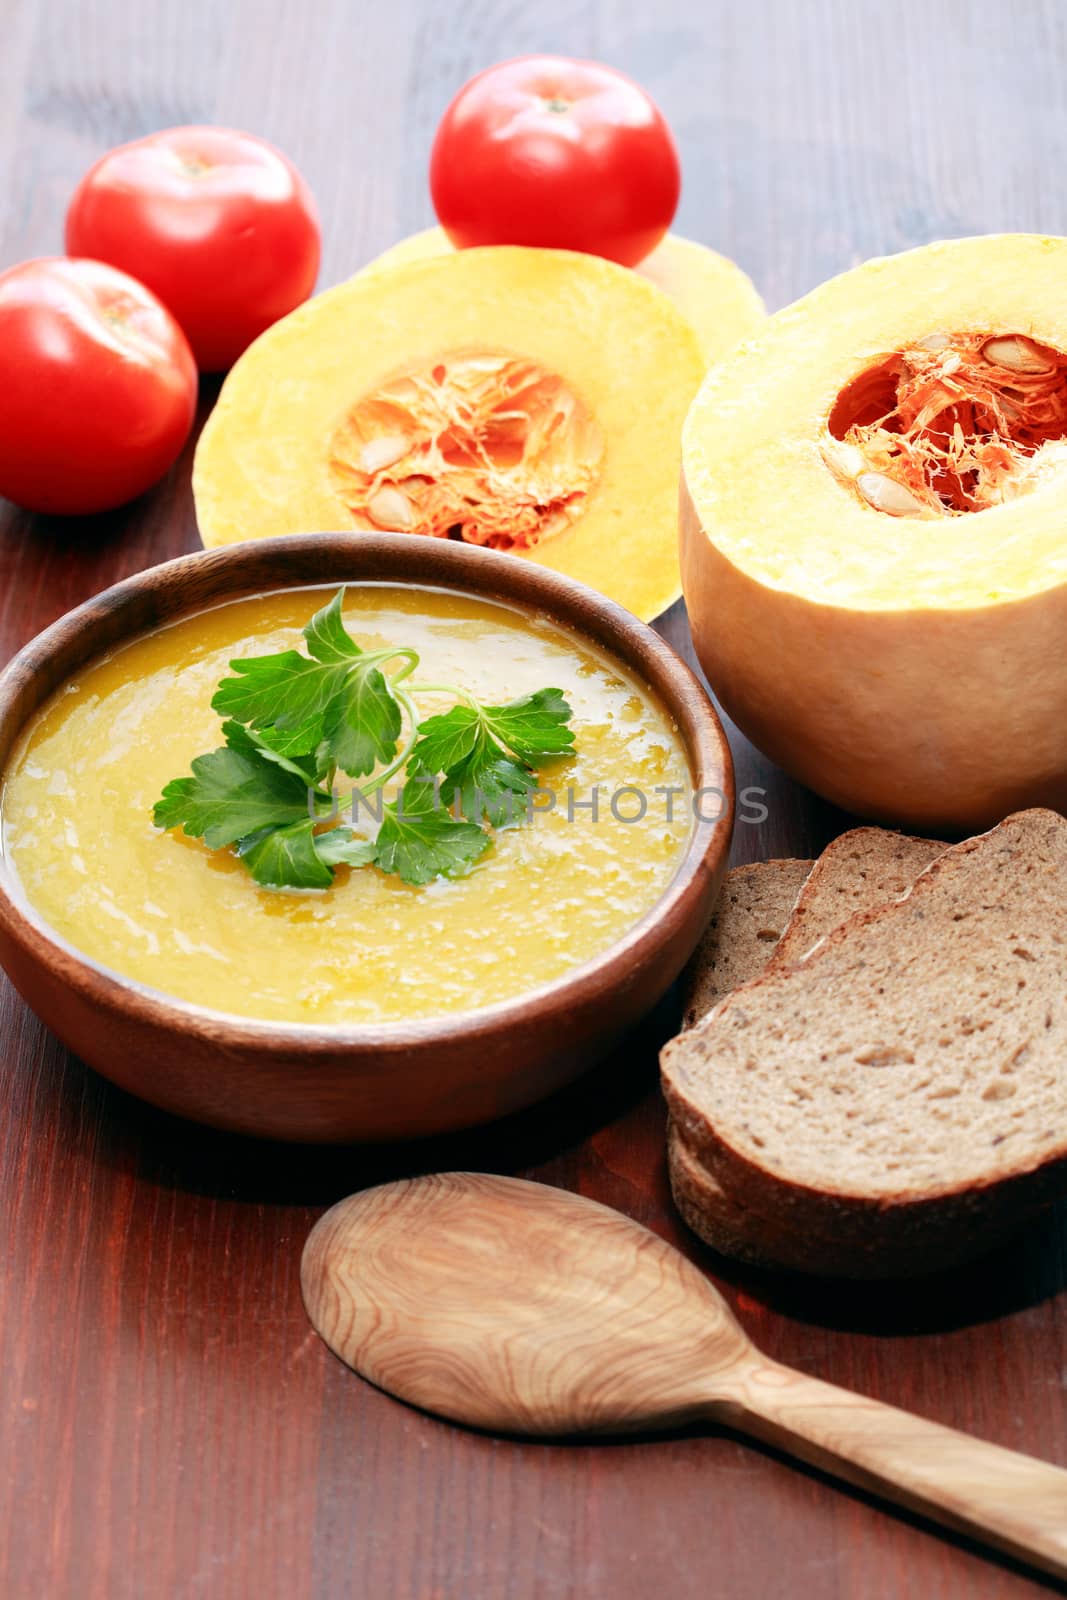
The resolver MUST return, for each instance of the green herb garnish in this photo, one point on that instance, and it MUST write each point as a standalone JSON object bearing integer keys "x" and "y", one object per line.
{"x": 292, "y": 723}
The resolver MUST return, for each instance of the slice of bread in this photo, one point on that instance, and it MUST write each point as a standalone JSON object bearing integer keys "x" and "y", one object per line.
{"x": 776, "y": 910}
{"x": 899, "y": 1096}
{"x": 733, "y": 1230}
{"x": 755, "y": 904}
{"x": 860, "y": 869}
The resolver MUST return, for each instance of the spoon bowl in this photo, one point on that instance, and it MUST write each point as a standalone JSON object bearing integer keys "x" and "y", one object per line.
{"x": 511, "y": 1306}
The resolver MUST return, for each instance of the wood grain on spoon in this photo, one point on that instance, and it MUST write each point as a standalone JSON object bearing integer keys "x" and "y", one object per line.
{"x": 509, "y": 1305}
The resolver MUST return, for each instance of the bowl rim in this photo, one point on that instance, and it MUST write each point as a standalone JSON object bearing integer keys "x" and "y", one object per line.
{"x": 484, "y": 574}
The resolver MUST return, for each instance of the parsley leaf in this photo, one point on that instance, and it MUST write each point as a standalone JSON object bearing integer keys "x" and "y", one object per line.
{"x": 530, "y": 728}
{"x": 420, "y": 840}
{"x": 337, "y": 705}
{"x": 534, "y": 726}
{"x": 487, "y": 754}
{"x": 248, "y": 743}
{"x": 295, "y": 857}
{"x": 286, "y": 691}
{"x": 327, "y": 637}
{"x": 230, "y": 795}
{"x": 286, "y": 858}
{"x": 362, "y": 725}
{"x": 447, "y": 740}
{"x": 341, "y": 847}
{"x": 497, "y": 794}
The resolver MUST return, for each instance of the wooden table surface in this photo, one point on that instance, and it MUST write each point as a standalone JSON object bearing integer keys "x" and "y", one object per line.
{"x": 169, "y": 1426}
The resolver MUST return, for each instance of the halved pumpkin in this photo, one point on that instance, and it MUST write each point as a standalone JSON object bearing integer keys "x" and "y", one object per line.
{"x": 710, "y": 290}
{"x": 874, "y": 533}
{"x": 528, "y": 400}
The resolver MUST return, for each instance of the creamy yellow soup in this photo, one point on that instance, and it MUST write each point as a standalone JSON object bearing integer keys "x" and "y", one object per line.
{"x": 161, "y": 908}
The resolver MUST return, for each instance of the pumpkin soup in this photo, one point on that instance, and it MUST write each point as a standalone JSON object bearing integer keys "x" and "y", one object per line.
{"x": 598, "y": 840}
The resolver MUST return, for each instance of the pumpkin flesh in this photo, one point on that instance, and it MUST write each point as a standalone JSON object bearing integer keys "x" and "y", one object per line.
{"x": 530, "y": 400}
{"x": 717, "y": 299}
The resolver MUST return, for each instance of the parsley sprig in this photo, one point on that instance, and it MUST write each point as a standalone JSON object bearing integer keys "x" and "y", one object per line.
{"x": 293, "y": 722}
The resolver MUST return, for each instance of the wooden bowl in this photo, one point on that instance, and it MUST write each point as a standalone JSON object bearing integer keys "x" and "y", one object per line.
{"x": 392, "y": 1080}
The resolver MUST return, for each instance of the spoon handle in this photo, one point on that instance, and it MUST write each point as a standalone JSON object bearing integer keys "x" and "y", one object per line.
{"x": 1008, "y": 1500}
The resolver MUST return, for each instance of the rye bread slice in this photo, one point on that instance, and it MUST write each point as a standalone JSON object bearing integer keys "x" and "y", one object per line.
{"x": 773, "y": 911}
{"x": 755, "y": 904}
{"x": 861, "y": 869}
{"x": 858, "y": 871}
{"x": 745, "y": 1235}
{"x": 906, "y": 1084}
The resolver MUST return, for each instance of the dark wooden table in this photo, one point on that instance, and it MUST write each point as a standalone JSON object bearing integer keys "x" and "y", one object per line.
{"x": 169, "y": 1426}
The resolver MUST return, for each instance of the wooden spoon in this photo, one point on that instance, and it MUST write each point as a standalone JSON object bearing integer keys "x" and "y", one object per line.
{"x": 509, "y": 1305}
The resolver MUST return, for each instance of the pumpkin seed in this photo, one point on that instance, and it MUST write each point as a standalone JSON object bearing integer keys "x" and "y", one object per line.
{"x": 377, "y": 454}
{"x": 1015, "y": 353}
{"x": 933, "y": 342}
{"x": 388, "y": 508}
{"x": 844, "y": 459}
{"x": 885, "y": 494}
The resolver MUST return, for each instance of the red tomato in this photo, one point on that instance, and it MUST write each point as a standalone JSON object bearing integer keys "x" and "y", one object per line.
{"x": 565, "y": 154}
{"x": 97, "y": 387}
{"x": 219, "y": 224}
